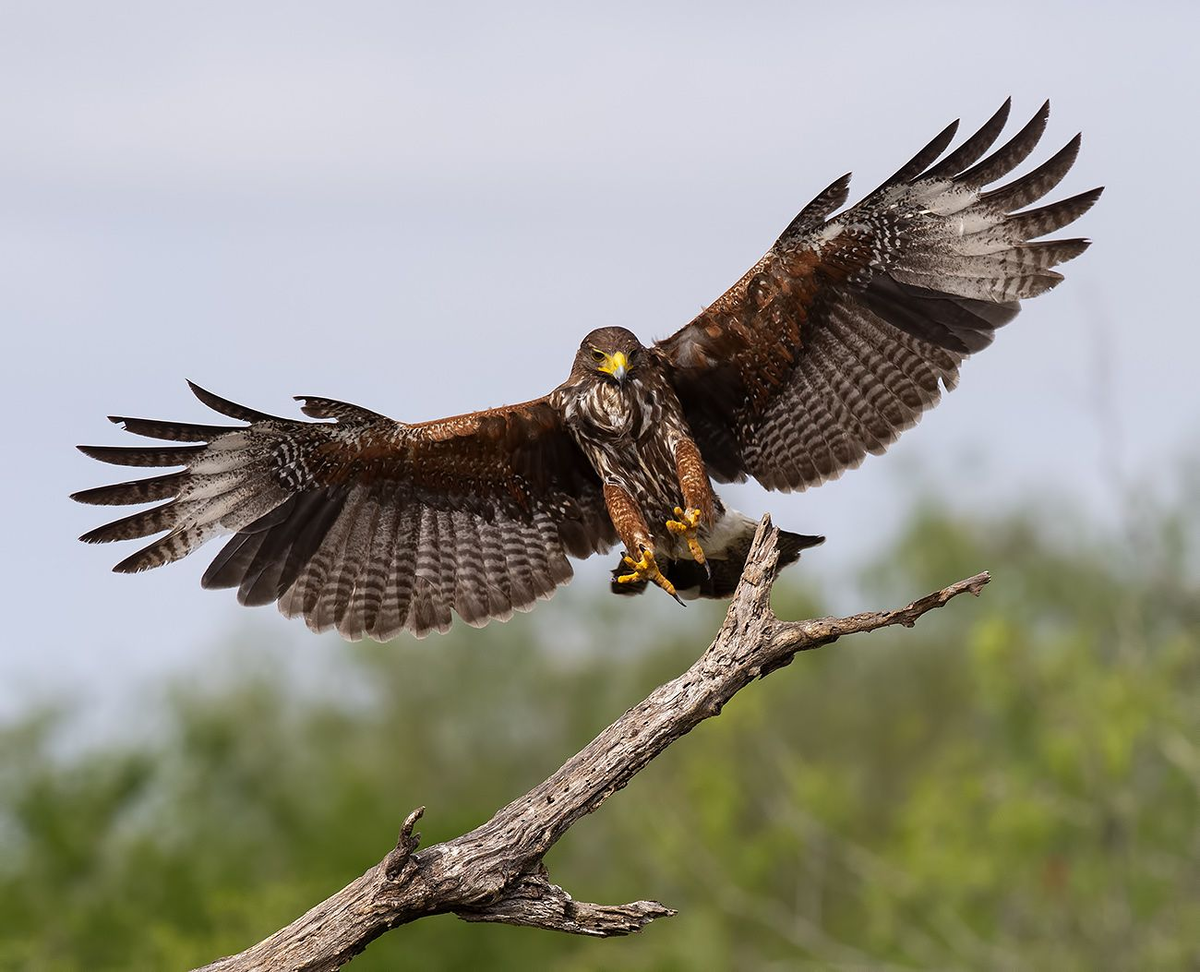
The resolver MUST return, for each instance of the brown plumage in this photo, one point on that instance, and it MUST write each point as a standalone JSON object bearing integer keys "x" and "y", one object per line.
{"x": 824, "y": 351}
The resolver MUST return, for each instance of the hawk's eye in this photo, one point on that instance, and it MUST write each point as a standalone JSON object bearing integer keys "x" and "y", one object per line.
{"x": 598, "y": 355}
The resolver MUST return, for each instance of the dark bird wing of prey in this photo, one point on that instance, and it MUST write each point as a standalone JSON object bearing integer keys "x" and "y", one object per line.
{"x": 850, "y": 326}
{"x": 837, "y": 340}
{"x": 363, "y": 523}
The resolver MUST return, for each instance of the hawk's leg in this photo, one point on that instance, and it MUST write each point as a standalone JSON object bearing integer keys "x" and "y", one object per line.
{"x": 631, "y": 528}
{"x": 697, "y": 495}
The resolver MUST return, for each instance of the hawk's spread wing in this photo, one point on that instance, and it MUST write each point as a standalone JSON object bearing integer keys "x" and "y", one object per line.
{"x": 363, "y": 523}
{"x": 844, "y": 333}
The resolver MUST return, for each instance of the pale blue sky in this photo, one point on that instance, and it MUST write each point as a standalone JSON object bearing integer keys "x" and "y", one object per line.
{"x": 341, "y": 199}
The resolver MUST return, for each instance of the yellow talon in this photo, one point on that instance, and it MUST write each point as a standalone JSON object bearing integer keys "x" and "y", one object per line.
{"x": 646, "y": 569}
{"x": 689, "y": 520}
{"x": 688, "y": 524}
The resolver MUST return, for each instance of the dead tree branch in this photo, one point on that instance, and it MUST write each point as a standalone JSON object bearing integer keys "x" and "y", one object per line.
{"x": 495, "y": 872}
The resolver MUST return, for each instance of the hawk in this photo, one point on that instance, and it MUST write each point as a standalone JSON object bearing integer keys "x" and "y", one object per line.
{"x": 830, "y": 346}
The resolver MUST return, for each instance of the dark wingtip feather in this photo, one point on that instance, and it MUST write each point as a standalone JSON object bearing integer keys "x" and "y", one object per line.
{"x": 1032, "y": 186}
{"x": 1064, "y": 250}
{"x": 314, "y": 406}
{"x": 133, "y": 564}
{"x": 1047, "y": 219}
{"x": 138, "y": 491}
{"x": 144, "y": 523}
{"x": 921, "y": 161}
{"x": 242, "y": 413}
{"x": 969, "y": 152}
{"x": 1012, "y": 153}
{"x": 134, "y": 456}
{"x": 173, "y": 431}
{"x": 166, "y": 549}
{"x": 824, "y": 203}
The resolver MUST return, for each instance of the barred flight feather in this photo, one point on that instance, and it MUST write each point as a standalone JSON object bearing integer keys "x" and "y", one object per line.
{"x": 1011, "y": 154}
{"x": 969, "y": 152}
{"x": 852, "y": 324}
{"x": 919, "y": 162}
{"x": 364, "y": 524}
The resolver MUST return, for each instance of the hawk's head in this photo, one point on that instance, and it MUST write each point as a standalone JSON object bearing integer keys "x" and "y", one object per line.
{"x": 609, "y": 353}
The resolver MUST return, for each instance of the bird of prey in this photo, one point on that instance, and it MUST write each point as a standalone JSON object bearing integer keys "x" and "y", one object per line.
{"x": 824, "y": 351}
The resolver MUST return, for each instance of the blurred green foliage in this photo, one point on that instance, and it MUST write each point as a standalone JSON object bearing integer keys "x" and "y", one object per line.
{"x": 1013, "y": 784}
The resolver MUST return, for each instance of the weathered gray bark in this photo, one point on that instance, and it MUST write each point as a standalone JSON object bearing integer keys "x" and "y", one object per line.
{"x": 495, "y": 872}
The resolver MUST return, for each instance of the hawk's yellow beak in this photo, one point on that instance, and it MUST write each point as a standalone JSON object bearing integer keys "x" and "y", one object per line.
{"x": 615, "y": 365}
